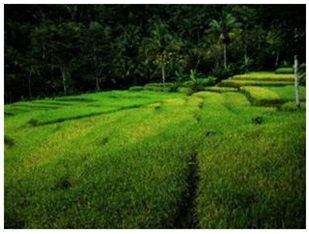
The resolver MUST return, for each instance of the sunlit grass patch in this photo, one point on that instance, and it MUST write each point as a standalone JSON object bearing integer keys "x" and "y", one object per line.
{"x": 261, "y": 96}
{"x": 285, "y": 70}
{"x": 183, "y": 90}
{"x": 156, "y": 105}
{"x": 195, "y": 101}
{"x": 244, "y": 184}
{"x": 138, "y": 175}
{"x": 131, "y": 168}
{"x": 204, "y": 94}
{"x": 101, "y": 105}
{"x": 235, "y": 102}
{"x": 264, "y": 76}
{"x": 175, "y": 101}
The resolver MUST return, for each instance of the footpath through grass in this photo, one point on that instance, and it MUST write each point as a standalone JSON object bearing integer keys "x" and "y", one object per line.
{"x": 154, "y": 160}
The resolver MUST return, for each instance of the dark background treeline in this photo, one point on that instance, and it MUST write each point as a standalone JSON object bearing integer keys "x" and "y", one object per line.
{"x": 64, "y": 49}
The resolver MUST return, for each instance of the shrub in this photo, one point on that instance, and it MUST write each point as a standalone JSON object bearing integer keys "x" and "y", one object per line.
{"x": 197, "y": 84}
{"x": 208, "y": 81}
{"x": 200, "y": 81}
{"x": 284, "y": 70}
{"x": 222, "y": 73}
{"x": 174, "y": 87}
{"x": 180, "y": 76}
{"x": 136, "y": 88}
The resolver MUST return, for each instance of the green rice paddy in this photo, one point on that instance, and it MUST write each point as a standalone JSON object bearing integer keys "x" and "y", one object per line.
{"x": 143, "y": 159}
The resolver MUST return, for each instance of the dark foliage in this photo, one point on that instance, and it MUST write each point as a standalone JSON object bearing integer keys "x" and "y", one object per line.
{"x": 52, "y": 50}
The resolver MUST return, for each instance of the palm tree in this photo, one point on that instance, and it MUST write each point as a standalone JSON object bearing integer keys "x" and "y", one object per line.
{"x": 161, "y": 46}
{"x": 228, "y": 28}
{"x": 125, "y": 51}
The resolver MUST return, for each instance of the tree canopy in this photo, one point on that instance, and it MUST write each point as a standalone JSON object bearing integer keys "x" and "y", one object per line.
{"x": 64, "y": 49}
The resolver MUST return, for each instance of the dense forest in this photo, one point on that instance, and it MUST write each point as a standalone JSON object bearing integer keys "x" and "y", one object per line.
{"x": 64, "y": 49}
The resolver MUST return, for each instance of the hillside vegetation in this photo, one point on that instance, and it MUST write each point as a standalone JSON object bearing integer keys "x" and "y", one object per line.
{"x": 66, "y": 49}
{"x": 144, "y": 159}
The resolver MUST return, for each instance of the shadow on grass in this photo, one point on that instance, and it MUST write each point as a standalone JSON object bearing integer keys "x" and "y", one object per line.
{"x": 74, "y": 99}
{"x": 8, "y": 141}
{"x": 36, "y": 122}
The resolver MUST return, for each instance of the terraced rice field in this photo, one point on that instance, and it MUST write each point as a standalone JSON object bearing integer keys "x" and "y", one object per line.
{"x": 259, "y": 79}
{"x": 126, "y": 159}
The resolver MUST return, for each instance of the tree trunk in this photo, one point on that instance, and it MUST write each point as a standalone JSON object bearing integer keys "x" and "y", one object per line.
{"x": 97, "y": 83}
{"x": 29, "y": 84}
{"x": 245, "y": 55}
{"x": 224, "y": 55}
{"x": 163, "y": 76}
{"x": 277, "y": 58}
{"x": 64, "y": 77}
{"x": 245, "y": 46}
{"x": 43, "y": 50}
{"x": 197, "y": 63}
{"x": 296, "y": 83}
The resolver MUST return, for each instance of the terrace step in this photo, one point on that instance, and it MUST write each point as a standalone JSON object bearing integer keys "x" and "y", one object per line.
{"x": 239, "y": 83}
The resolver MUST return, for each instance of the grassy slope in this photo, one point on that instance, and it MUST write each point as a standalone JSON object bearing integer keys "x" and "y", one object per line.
{"x": 129, "y": 168}
{"x": 122, "y": 170}
{"x": 258, "y": 181}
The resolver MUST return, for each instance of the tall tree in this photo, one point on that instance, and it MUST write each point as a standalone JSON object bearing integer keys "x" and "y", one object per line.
{"x": 161, "y": 46}
{"x": 64, "y": 47}
{"x": 96, "y": 45}
{"x": 60, "y": 48}
{"x": 227, "y": 27}
{"x": 246, "y": 15}
{"x": 125, "y": 51}
{"x": 275, "y": 41}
